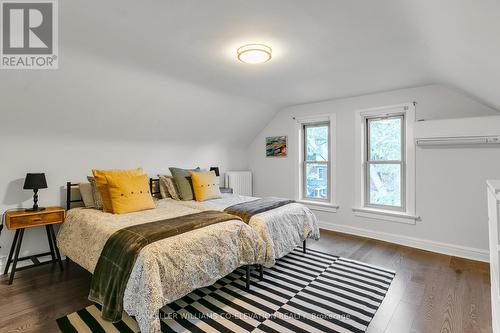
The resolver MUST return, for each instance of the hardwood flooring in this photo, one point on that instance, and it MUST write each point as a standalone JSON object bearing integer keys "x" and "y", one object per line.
{"x": 431, "y": 292}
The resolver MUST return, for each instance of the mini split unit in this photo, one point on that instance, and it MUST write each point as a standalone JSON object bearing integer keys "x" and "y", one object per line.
{"x": 459, "y": 141}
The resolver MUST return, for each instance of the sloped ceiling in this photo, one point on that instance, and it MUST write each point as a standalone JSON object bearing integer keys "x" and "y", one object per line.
{"x": 94, "y": 98}
{"x": 167, "y": 70}
{"x": 323, "y": 48}
{"x": 462, "y": 43}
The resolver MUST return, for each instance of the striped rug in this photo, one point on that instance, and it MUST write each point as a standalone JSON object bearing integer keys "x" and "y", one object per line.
{"x": 312, "y": 292}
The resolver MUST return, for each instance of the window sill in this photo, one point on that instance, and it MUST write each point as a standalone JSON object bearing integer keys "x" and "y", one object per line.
{"x": 379, "y": 214}
{"x": 320, "y": 206}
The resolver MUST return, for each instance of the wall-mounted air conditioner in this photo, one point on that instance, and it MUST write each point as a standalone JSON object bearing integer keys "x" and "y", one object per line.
{"x": 460, "y": 132}
{"x": 458, "y": 141}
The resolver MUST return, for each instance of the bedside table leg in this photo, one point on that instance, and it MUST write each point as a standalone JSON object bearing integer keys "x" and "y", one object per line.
{"x": 58, "y": 255}
{"x": 11, "y": 252}
{"x": 49, "y": 238}
{"x": 16, "y": 255}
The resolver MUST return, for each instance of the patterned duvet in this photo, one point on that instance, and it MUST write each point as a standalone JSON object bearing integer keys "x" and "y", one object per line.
{"x": 282, "y": 229}
{"x": 167, "y": 269}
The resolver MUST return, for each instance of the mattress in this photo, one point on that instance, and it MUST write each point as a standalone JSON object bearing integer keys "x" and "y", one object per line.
{"x": 282, "y": 229}
{"x": 168, "y": 269}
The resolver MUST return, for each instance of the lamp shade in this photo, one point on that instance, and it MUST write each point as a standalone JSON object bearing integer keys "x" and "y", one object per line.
{"x": 216, "y": 170}
{"x": 35, "y": 181}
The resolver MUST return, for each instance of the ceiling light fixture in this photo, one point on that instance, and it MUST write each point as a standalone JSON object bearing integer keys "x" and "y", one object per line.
{"x": 254, "y": 53}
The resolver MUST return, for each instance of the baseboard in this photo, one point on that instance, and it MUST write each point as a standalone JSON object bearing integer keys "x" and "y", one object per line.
{"x": 433, "y": 246}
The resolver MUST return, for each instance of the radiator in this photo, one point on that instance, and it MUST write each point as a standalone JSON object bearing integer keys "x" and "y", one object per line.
{"x": 239, "y": 181}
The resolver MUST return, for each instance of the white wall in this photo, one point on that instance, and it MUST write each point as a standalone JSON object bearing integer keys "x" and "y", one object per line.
{"x": 97, "y": 114}
{"x": 450, "y": 192}
{"x": 66, "y": 159}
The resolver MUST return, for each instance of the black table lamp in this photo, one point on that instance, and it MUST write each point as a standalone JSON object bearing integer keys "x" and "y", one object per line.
{"x": 216, "y": 170}
{"x": 35, "y": 181}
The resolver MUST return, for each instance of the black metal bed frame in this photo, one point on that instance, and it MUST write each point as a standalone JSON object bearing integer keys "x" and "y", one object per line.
{"x": 153, "y": 181}
{"x": 69, "y": 201}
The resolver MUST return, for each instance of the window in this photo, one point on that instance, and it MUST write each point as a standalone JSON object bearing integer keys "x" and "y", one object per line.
{"x": 316, "y": 162}
{"x": 314, "y": 170}
{"x": 384, "y": 165}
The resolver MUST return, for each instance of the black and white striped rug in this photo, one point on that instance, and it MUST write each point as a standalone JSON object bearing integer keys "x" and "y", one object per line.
{"x": 312, "y": 292}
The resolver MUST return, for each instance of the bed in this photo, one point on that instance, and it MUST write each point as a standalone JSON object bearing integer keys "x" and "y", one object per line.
{"x": 165, "y": 270}
{"x": 282, "y": 229}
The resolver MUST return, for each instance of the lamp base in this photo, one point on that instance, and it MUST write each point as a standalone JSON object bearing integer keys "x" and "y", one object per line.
{"x": 34, "y": 209}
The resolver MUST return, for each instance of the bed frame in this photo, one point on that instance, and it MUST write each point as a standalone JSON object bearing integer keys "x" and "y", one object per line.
{"x": 69, "y": 201}
{"x": 154, "y": 184}
{"x": 154, "y": 187}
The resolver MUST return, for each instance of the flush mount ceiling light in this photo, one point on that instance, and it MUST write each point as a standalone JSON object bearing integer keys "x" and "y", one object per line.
{"x": 254, "y": 53}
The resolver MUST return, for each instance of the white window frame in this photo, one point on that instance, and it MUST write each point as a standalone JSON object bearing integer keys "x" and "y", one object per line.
{"x": 407, "y": 213}
{"x": 315, "y": 204}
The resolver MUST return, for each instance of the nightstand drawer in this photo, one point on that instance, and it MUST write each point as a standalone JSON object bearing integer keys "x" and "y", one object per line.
{"x": 32, "y": 220}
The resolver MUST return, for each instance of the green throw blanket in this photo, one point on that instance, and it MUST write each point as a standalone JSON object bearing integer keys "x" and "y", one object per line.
{"x": 122, "y": 248}
{"x": 248, "y": 209}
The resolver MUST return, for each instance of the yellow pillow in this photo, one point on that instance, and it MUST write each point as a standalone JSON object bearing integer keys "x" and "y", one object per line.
{"x": 129, "y": 193}
{"x": 205, "y": 185}
{"x": 102, "y": 184}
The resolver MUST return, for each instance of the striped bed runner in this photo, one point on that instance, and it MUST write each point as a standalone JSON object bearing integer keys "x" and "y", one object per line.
{"x": 312, "y": 292}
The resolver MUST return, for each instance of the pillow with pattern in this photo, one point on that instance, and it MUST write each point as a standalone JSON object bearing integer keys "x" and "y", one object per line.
{"x": 95, "y": 193}
{"x": 168, "y": 189}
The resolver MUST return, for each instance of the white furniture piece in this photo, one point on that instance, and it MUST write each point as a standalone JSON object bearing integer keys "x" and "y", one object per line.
{"x": 239, "y": 181}
{"x": 494, "y": 231}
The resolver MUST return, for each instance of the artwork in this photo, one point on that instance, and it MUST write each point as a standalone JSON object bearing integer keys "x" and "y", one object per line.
{"x": 276, "y": 146}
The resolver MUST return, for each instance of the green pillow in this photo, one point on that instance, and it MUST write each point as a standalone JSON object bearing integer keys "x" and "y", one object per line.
{"x": 183, "y": 181}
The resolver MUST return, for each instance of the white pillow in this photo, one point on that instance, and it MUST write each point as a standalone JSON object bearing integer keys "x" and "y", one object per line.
{"x": 86, "y": 193}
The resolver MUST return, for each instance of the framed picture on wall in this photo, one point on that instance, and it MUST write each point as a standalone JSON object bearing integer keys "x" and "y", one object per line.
{"x": 276, "y": 146}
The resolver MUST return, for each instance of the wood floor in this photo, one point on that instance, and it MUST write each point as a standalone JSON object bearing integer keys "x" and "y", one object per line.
{"x": 431, "y": 292}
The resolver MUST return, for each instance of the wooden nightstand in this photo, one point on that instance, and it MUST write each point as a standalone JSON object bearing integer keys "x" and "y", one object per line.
{"x": 19, "y": 220}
